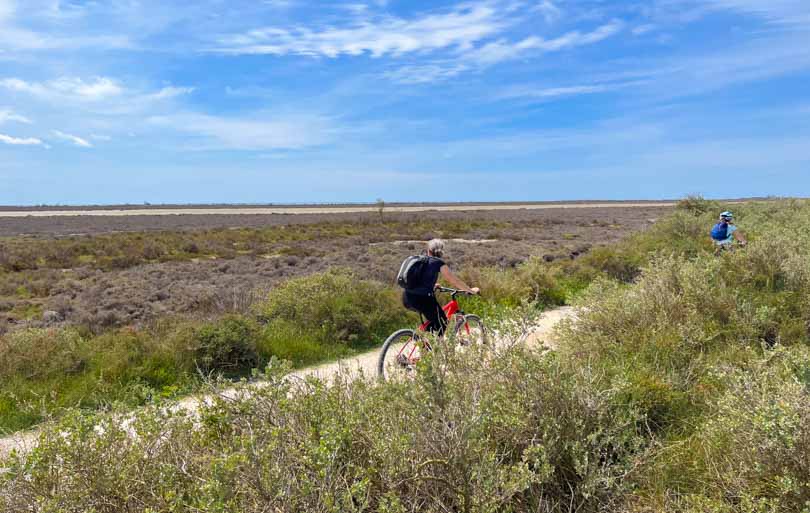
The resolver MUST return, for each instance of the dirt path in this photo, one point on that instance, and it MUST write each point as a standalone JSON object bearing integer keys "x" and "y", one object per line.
{"x": 365, "y": 364}
{"x": 315, "y": 210}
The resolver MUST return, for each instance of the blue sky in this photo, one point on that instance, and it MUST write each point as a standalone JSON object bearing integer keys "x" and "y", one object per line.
{"x": 107, "y": 101}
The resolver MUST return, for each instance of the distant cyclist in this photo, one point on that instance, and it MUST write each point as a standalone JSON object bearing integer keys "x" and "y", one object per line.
{"x": 421, "y": 295}
{"x": 725, "y": 233}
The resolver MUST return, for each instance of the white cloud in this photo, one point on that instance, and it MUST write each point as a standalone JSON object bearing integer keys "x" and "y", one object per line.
{"x": 552, "y": 92}
{"x": 762, "y": 58}
{"x": 6, "y": 10}
{"x": 14, "y": 141}
{"x": 15, "y": 36}
{"x": 643, "y": 29}
{"x": 100, "y": 95}
{"x": 425, "y": 73}
{"x": 779, "y": 11}
{"x": 171, "y": 92}
{"x": 214, "y": 132}
{"x": 7, "y": 115}
{"x": 98, "y": 88}
{"x": 495, "y": 52}
{"x": 539, "y": 93}
{"x": 548, "y": 10}
{"x": 78, "y": 141}
{"x": 461, "y": 27}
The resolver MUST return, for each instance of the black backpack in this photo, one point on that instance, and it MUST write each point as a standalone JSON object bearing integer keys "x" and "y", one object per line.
{"x": 410, "y": 272}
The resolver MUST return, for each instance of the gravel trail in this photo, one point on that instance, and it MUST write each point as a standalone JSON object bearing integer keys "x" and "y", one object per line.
{"x": 365, "y": 364}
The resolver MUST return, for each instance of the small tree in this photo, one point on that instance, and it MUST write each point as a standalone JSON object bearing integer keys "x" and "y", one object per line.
{"x": 381, "y": 209}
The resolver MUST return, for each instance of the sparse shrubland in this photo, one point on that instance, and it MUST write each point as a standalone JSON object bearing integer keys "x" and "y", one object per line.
{"x": 306, "y": 320}
{"x": 113, "y": 277}
{"x": 684, "y": 385}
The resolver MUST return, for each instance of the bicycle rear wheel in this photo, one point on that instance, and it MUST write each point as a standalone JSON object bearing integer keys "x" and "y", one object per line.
{"x": 471, "y": 331}
{"x": 399, "y": 354}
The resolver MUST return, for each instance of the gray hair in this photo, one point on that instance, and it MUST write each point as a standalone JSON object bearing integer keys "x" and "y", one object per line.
{"x": 436, "y": 247}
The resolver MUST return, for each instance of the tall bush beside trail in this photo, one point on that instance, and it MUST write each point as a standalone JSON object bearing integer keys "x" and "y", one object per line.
{"x": 336, "y": 307}
{"x": 40, "y": 353}
{"x": 533, "y": 281}
{"x": 227, "y": 345}
{"x": 751, "y": 455}
{"x": 658, "y": 338}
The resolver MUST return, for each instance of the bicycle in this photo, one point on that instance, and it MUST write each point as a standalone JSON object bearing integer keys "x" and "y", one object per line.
{"x": 404, "y": 348}
{"x": 730, "y": 247}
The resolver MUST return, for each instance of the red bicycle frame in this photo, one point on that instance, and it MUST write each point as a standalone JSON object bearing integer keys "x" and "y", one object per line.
{"x": 450, "y": 309}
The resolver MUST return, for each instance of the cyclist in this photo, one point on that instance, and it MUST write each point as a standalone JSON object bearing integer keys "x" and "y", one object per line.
{"x": 422, "y": 297}
{"x": 725, "y": 232}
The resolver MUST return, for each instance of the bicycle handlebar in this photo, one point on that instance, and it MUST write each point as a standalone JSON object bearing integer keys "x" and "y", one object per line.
{"x": 454, "y": 292}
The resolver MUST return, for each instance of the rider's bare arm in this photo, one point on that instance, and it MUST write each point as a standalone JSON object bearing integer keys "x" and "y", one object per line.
{"x": 457, "y": 282}
{"x": 740, "y": 237}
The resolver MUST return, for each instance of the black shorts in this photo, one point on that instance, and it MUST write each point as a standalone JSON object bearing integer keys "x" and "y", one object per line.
{"x": 429, "y": 308}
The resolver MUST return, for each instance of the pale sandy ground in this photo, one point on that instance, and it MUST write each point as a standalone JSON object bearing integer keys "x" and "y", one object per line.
{"x": 365, "y": 364}
{"x": 316, "y": 210}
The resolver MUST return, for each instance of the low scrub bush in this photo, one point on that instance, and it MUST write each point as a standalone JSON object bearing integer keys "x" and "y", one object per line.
{"x": 530, "y": 438}
{"x": 335, "y": 307}
{"x": 227, "y": 345}
{"x": 306, "y": 320}
{"x": 698, "y": 206}
{"x": 533, "y": 281}
{"x": 751, "y": 454}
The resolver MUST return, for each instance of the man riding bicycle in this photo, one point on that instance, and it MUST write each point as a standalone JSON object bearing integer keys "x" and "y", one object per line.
{"x": 725, "y": 232}
{"x": 421, "y": 296}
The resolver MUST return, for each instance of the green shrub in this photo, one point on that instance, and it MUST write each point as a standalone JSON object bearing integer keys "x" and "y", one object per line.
{"x": 40, "y": 353}
{"x": 533, "y": 281}
{"x": 337, "y": 307}
{"x": 227, "y": 345}
{"x": 698, "y": 206}
{"x": 752, "y": 454}
{"x": 288, "y": 341}
{"x": 530, "y": 439}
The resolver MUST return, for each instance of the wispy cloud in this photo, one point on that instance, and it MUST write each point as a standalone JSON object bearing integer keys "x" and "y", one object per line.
{"x": 15, "y": 36}
{"x": 549, "y": 93}
{"x": 761, "y": 58}
{"x": 170, "y": 92}
{"x": 779, "y": 11}
{"x": 499, "y": 51}
{"x": 502, "y": 50}
{"x": 15, "y": 141}
{"x": 70, "y": 88}
{"x": 7, "y": 115}
{"x": 6, "y": 10}
{"x": 76, "y": 140}
{"x": 426, "y": 73}
{"x": 100, "y": 95}
{"x": 17, "y": 39}
{"x": 271, "y": 133}
{"x": 460, "y": 27}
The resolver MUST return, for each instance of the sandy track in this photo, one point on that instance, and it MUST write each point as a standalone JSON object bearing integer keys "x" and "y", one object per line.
{"x": 315, "y": 210}
{"x": 364, "y": 364}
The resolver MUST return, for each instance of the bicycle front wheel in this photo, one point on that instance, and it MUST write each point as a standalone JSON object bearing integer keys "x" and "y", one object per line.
{"x": 399, "y": 354}
{"x": 471, "y": 331}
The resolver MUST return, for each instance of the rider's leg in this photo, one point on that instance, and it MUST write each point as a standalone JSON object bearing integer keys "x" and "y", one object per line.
{"x": 438, "y": 319}
{"x": 431, "y": 309}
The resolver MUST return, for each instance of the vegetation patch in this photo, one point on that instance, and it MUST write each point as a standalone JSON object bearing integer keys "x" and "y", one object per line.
{"x": 683, "y": 385}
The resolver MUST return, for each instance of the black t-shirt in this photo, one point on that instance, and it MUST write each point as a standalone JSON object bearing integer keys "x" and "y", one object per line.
{"x": 428, "y": 277}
